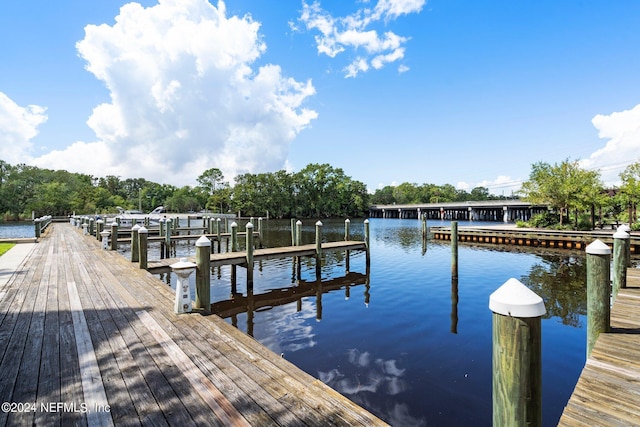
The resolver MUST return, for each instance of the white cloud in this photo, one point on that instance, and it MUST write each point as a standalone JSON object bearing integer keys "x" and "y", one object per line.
{"x": 18, "y": 126}
{"x": 374, "y": 49}
{"x": 184, "y": 96}
{"x": 501, "y": 185}
{"x": 622, "y": 131}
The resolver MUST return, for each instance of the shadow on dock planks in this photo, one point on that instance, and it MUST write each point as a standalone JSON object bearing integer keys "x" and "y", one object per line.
{"x": 86, "y": 338}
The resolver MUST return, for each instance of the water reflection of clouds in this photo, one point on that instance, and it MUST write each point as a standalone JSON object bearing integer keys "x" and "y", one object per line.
{"x": 285, "y": 329}
{"x": 378, "y": 376}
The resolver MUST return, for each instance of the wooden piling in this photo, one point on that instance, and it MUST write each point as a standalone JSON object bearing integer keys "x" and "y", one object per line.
{"x": 620, "y": 239}
{"x": 627, "y": 229}
{"x": 99, "y": 229}
{"x": 234, "y": 236}
{"x": 517, "y": 355}
{"x": 135, "y": 254}
{"x": 218, "y": 237}
{"x": 318, "y": 248}
{"x": 142, "y": 247}
{"x": 293, "y": 236}
{"x": 598, "y": 291}
{"x": 298, "y": 233}
{"x": 367, "y": 242}
{"x": 167, "y": 238}
{"x": 114, "y": 236}
{"x": 347, "y": 223}
{"x": 249, "y": 239}
{"x": 203, "y": 274}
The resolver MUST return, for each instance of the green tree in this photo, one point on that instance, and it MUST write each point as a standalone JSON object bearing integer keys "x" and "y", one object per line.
{"x": 630, "y": 189}
{"x": 563, "y": 186}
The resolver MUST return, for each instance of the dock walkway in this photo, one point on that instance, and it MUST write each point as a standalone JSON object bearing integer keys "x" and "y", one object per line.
{"x": 608, "y": 391}
{"x": 86, "y": 338}
{"x": 240, "y": 258}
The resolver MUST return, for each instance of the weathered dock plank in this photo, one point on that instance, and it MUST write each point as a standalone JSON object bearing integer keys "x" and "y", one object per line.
{"x": 608, "y": 391}
{"x": 84, "y": 326}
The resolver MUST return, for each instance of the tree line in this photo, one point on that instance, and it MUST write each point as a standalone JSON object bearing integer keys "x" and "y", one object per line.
{"x": 576, "y": 196}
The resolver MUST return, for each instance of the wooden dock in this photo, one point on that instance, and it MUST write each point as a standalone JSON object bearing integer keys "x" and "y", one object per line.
{"x": 608, "y": 391}
{"x": 86, "y": 338}
{"x": 564, "y": 239}
{"x": 240, "y": 258}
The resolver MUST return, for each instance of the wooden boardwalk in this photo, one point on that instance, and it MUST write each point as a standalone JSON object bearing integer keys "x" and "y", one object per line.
{"x": 608, "y": 391}
{"x": 86, "y": 338}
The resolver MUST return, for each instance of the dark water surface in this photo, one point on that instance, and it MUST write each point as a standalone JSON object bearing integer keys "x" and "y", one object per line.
{"x": 407, "y": 342}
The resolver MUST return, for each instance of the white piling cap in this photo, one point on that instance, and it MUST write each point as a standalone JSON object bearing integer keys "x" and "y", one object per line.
{"x": 319, "y": 223}
{"x": 625, "y": 227}
{"x": 203, "y": 241}
{"x": 249, "y": 225}
{"x": 298, "y": 222}
{"x": 598, "y": 247}
{"x": 143, "y": 230}
{"x": 620, "y": 234}
{"x": 182, "y": 265}
{"x": 516, "y": 300}
{"x": 234, "y": 224}
{"x": 136, "y": 227}
{"x": 347, "y": 220}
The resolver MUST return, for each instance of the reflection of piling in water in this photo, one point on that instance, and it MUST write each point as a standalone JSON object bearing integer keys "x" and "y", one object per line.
{"x": 454, "y": 249}
{"x": 454, "y": 305}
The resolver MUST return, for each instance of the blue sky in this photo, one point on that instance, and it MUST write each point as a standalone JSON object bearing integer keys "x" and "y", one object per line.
{"x": 461, "y": 92}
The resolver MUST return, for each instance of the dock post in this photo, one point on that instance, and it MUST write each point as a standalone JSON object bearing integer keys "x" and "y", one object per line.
{"x": 135, "y": 251}
{"x": 517, "y": 349}
{"x": 293, "y": 237}
{"x": 260, "y": 231}
{"x": 627, "y": 229}
{"x": 218, "y": 235}
{"x": 92, "y": 226}
{"x": 183, "y": 270}
{"x": 298, "y": 233}
{"x": 167, "y": 238}
{"x": 425, "y": 229}
{"x": 249, "y": 239}
{"x": 367, "y": 241}
{"x": 99, "y": 228}
{"x": 234, "y": 236}
{"x": 454, "y": 249}
{"x": 318, "y": 248}
{"x": 161, "y": 221}
{"x": 598, "y": 291}
{"x": 36, "y": 223}
{"x": 104, "y": 235}
{"x": 234, "y": 248}
{"x": 203, "y": 274}
{"x": 142, "y": 247}
{"x": 347, "y": 223}
{"x": 114, "y": 236}
{"x": 620, "y": 239}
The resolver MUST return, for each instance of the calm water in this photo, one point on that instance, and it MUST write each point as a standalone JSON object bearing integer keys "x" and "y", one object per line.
{"x": 12, "y": 230}
{"x": 406, "y": 342}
